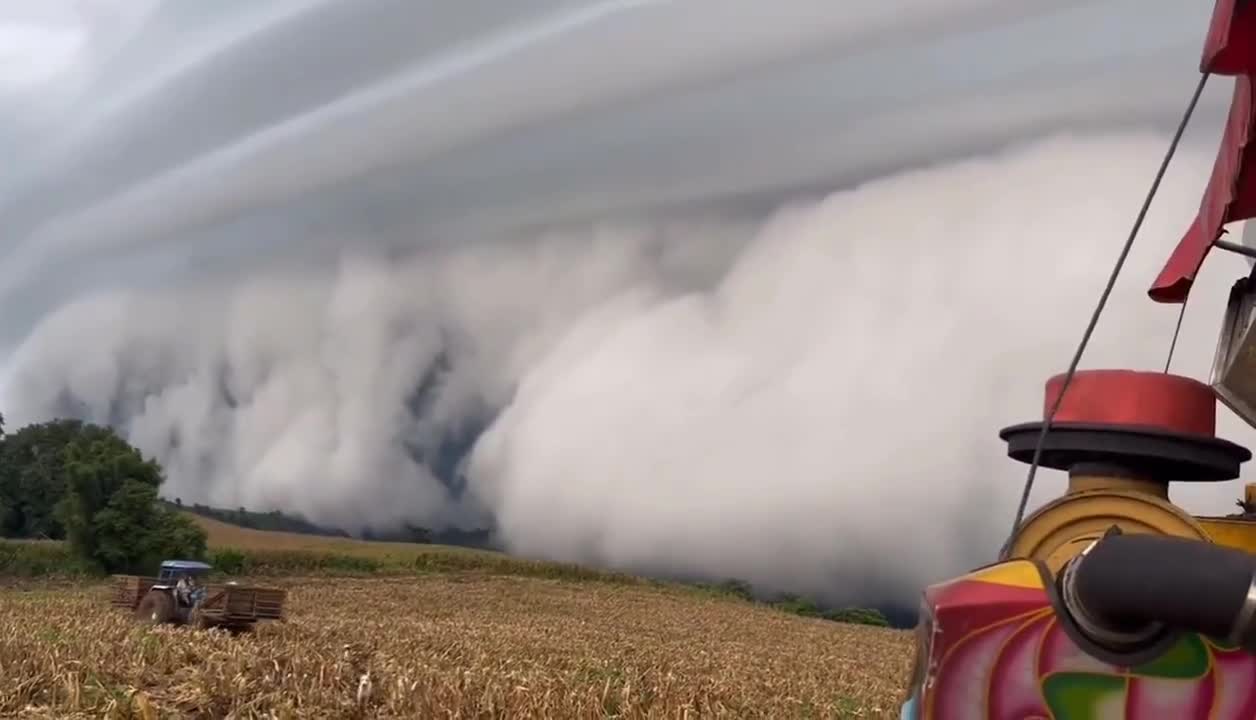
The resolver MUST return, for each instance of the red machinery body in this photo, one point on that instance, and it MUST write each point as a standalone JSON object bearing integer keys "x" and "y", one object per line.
{"x": 997, "y": 649}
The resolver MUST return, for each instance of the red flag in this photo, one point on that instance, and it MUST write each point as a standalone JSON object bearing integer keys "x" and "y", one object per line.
{"x": 1230, "y": 49}
{"x": 1231, "y": 45}
{"x": 1229, "y": 197}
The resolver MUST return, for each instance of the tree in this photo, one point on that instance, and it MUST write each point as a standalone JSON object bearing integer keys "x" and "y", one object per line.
{"x": 81, "y": 482}
{"x": 110, "y": 511}
{"x": 32, "y": 475}
{"x": 132, "y": 533}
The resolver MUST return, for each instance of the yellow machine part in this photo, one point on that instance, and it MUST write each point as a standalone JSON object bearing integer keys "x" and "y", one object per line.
{"x": 1061, "y": 529}
{"x": 1234, "y": 532}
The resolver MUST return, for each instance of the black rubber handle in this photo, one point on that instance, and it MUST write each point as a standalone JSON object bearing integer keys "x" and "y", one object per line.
{"x": 1131, "y": 581}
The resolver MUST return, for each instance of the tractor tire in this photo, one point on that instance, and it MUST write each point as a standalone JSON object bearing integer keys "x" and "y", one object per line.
{"x": 157, "y": 608}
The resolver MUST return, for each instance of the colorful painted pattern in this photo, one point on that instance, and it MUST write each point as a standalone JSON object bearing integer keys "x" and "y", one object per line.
{"x": 999, "y": 654}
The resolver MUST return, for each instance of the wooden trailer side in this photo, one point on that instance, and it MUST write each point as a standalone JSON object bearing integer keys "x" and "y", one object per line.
{"x": 128, "y": 590}
{"x": 242, "y": 604}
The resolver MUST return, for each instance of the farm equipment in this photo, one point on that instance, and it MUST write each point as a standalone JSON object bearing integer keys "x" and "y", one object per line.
{"x": 177, "y": 596}
{"x": 1110, "y": 601}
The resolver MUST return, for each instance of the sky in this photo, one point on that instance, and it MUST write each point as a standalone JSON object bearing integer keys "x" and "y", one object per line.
{"x": 632, "y": 281}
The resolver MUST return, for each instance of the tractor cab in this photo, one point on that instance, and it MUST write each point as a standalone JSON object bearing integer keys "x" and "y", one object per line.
{"x": 172, "y": 570}
{"x": 183, "y": 581}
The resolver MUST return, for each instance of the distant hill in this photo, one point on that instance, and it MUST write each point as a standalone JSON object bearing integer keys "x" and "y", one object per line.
{"x": 223, "y": 535}
{"x": 276, "y": 521}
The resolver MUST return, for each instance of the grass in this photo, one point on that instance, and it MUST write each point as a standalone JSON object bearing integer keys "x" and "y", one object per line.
{"x": 39, "y": 559}
{"x": 448, "y": 646}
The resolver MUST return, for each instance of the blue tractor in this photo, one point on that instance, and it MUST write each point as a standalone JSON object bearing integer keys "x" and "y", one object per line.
{"x": 179, "y": 595}
{"x": 175, "y": 596}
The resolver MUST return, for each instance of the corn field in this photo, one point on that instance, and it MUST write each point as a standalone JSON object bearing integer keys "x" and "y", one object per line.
{"x": 446, "y": 647}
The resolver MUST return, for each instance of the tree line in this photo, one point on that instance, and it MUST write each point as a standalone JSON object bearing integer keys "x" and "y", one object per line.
{"x": 82, "y": 483}
{"x": 279, "y": 521}
{"x": 799, "y": 605}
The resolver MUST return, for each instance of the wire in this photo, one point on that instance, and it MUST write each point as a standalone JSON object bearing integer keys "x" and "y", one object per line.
{"x": 1177, "y": 330}
{"x": 1094, "y": 317}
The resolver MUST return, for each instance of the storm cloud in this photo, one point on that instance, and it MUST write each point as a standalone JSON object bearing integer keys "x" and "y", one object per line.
{"x": 695, "y": 288}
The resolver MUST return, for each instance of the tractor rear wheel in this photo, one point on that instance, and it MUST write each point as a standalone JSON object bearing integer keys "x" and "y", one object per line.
{"x": 156, "y": 608}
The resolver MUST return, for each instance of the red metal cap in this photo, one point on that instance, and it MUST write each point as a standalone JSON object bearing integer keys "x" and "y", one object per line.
{"x": 1132, "y": 398}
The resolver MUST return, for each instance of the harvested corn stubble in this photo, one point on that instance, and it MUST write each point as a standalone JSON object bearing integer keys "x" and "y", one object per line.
{"x": 447, "y": 647}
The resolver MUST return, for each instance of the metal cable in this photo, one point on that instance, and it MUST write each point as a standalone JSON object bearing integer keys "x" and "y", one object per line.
{"x": 1094, "y": 318}
{"x": 1177, "y": 330}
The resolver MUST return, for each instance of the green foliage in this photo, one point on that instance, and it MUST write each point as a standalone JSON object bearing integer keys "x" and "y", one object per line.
{"x": 806, "y": 607}
{"x": 407, "y": 533}
{"x": 796, "y": 605}
{"x": 858, "y": 616}
{"x": 736, "y": 588}
{"x": 176, "y": 536}
{"x": 33, "y": 476}
{"x": 731, "y": 588}
{"x": 258, "y": 562}
{"x": 230, "y": 561}
{"x": 22, "y": 558}
{"x": 84, "y": 483}
{"x": 133, "y": 534}
{"x": 272, "y": 521}
{"x": 296, "y": 562}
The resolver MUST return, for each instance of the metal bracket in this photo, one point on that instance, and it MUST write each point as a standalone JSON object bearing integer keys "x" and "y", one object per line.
{"x": 1233, "y": 376}
{"x": 1235, "y": 248}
